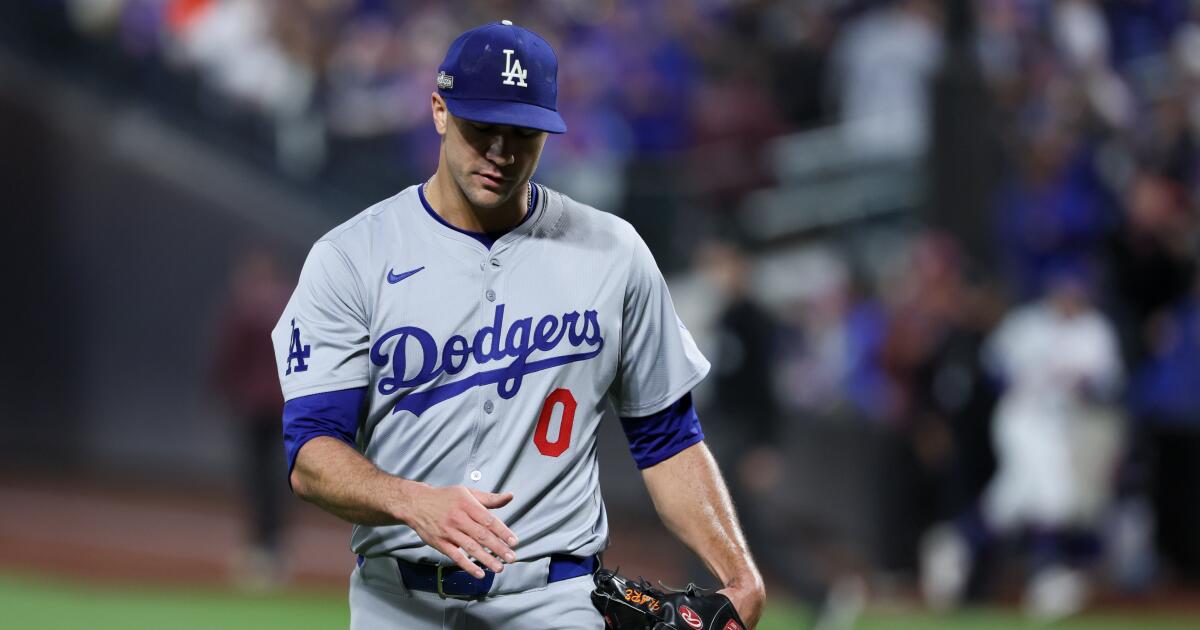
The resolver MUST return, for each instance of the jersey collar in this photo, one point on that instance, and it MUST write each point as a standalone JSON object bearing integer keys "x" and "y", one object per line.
{"x": 488, "y": 239}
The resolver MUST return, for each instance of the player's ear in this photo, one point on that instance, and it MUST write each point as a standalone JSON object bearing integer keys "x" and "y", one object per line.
{"x": 441, "y": 116}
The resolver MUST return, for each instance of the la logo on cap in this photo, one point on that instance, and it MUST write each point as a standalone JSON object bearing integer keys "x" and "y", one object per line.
{"x": 513, "y": 69}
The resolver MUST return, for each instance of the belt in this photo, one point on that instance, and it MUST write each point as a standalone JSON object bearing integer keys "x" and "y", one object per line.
{"x": 451, "y": 581}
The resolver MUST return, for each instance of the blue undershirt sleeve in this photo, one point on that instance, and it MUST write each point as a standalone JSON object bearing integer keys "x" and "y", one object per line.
{"x": 660, "y": 436}
{"x": 335, "y": 414}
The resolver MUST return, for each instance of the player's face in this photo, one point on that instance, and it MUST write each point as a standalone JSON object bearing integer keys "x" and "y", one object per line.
{"x": 490, "y": 163}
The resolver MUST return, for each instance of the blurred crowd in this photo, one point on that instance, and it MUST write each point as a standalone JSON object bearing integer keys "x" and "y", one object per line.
{"x": 669, "y": 104}
{"x": 1034, "y": 352}
{"x": 343, "y": 85}
{"x": 1036, "y": 361}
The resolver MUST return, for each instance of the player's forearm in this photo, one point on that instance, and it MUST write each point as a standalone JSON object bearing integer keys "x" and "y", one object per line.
{"x": 693, "y": 502}
{"x": 338, "y": 479}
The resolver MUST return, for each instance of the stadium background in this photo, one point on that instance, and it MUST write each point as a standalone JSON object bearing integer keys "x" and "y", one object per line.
{"x": 874, "y": 183}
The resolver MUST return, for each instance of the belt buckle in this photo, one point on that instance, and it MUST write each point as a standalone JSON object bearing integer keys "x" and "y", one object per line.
{"x": 442, "y": 592}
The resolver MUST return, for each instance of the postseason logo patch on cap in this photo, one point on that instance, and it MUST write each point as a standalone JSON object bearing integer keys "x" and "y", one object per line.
{"x": 445, "y": 81}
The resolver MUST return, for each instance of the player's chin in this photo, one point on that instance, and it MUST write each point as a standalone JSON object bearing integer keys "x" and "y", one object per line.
{"x": 489, "y": 193}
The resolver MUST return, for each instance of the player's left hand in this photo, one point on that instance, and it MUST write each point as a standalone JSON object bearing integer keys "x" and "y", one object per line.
{"x": 747, "y": 599}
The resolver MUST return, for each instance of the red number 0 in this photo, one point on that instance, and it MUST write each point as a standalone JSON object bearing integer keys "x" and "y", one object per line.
{"x": 541, "y": 435}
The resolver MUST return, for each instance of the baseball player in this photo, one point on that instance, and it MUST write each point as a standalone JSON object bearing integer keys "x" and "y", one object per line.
{"x": 446, "y": 359}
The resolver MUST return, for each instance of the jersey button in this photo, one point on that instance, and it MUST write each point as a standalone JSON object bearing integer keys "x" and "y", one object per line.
{"x": 496, "y": 263}
{"x": 476, "y": 475}
{"x": 488, "y": 406}
{"x": 490, "y": 295}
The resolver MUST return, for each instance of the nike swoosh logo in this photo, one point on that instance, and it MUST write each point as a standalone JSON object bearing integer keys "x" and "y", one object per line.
{"x": 394, "y": 277}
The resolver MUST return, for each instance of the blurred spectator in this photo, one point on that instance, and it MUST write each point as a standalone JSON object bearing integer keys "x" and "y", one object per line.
{"x": 1167, "y": 404}
{"x": 1058, "y": 435}
{"x": 865, "y": 383}
{"x": 815, "y": 344}
{"x": 252, "y": 54}
{"x": 941, "y": 401}
{"x": 1152, "y": 258}
{"x": 831, "y": 363}
{"x": 744, "y": 407}
{"x": 798, "y": 37}
{"x": 746, "y": 337}
{"x": 244, "y": 371}
{"x": 882, "y": 65}
{"x": 1054, "y": 210}
{"x": 1142, "y": 30}
{"x": 751, "y": 447}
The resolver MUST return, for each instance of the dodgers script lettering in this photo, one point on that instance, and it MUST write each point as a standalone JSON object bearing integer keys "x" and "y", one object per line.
{"x": 490, "y": 343}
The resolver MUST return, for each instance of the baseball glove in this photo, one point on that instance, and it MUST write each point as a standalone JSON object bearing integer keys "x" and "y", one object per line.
{"x": 629, "y": 605}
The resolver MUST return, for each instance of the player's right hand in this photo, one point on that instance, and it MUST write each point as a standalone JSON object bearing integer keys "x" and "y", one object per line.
{"x": 457, "y": 521}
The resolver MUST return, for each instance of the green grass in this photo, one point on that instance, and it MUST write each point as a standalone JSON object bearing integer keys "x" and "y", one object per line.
{"x": 1001, "y": 620}
{"x": 47, "y": 604}
{"x": 53, "y": 605}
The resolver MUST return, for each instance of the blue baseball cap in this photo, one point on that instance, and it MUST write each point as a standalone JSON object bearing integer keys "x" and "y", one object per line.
{"x": 502, "y": 74}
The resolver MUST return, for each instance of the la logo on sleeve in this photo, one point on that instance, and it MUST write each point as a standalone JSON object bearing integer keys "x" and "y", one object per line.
{"x": 297, "y": 352}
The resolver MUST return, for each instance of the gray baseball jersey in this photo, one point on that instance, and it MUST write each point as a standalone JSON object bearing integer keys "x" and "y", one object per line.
{"x": 489, "y": 368}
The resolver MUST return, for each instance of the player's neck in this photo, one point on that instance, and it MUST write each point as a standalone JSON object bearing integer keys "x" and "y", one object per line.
{"x": 448, "y": 200}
